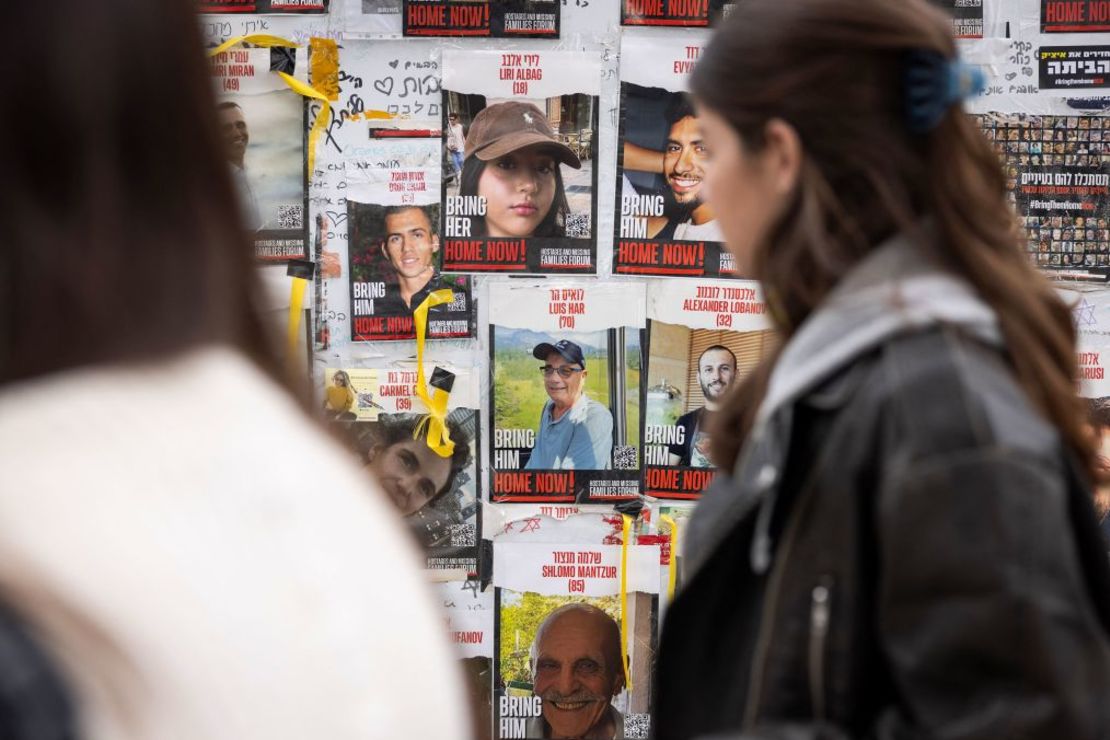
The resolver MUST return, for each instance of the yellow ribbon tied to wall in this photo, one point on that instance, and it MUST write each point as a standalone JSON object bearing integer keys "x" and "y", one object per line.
{"x": 626, "y": 533}
{"x": 267, "y": 41}
{"x": 672, "y": 568}
{"x": 434, "y": 425}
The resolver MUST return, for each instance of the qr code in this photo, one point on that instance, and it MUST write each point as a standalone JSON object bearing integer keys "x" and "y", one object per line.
{"x": 637, "y": 725}
{"x": 458, "y": 303}
{"x": 463, "y": 535}
{"x": 290, "y": 217}
{"x": 578, "y": 225}
{"x": 624, "y": 457}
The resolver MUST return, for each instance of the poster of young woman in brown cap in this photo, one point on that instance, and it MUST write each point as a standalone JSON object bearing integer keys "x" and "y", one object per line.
{"x": 525, "y": 200}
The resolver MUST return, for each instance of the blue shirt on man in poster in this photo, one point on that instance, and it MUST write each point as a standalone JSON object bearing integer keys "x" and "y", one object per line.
{"x": 581, "y": 439}
{"x": 576, "y": 433}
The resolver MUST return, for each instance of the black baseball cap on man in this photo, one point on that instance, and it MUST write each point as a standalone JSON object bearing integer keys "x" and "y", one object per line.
{"x": 569, "y": 351}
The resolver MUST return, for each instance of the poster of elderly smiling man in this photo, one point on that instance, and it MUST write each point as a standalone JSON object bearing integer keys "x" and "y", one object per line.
{"x": 562, "y": 668}
{"x": 565, "y": 391}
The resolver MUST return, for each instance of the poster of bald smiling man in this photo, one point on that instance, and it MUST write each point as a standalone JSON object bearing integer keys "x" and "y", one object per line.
{"x": 562, "y": 668}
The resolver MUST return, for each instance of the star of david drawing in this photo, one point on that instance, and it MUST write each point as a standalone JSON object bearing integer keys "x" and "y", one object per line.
{"x": 1085, "y": 314}
{"x": 531, "y": 525}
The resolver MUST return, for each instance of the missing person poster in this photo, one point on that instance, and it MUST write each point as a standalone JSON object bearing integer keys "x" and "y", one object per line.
{"x": 470, "y": 625}
{"x": 1058, "y": 177}
{"x": 263, "y": 6}
{"x": 376, "y": 410}
{"x": 663, "y": 224}
{"x": 559, "y": 606}
{"x": 703, "y": 337}
{"x": 1073, "y": 67}
{"x": 262, "y": 123}
{"x": 374, "y": 17}
{"x": 538, "y": 19}
{"x": 393, "y": 218}
{"x": 565, "y": 391}
{"x": 673, "y": 12}
{"x": 519, "y": 175}
{"x": 1075, "y": 16}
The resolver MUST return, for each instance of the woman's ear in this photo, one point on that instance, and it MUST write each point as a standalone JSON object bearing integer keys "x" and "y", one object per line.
{"x": 782, "y": 154}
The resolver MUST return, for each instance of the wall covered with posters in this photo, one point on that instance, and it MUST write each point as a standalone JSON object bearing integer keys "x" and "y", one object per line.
{"x": 576, "y": 338}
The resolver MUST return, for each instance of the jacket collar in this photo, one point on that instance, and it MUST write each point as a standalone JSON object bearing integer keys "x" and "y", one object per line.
{"x": 894, "y": 290}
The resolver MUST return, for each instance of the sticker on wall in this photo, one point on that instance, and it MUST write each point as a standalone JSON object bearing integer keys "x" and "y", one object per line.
{"x": 565, "y": 391}
{"x": 663, "y": 224}
{"x": 490, "y": 18}
{"x": 703, "y": 337}
{"x": 1074, "y": 67}
{"x": 395, "y": 247}
{"x": 967, "y": 17}
{"x": 262, "y": 123}
{"x": 376, "y": 411}
{"x": 519, "y": 178}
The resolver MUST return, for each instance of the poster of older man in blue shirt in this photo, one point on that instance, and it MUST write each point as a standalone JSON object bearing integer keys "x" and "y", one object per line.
{"x": 575, "y": 432}
{"x": 565, "y": 391}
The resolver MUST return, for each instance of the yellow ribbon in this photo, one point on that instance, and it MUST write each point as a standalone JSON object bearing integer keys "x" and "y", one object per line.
{"x": 267, "y": 41}
{"x": 625, "y": 537}
{"x": 672, "y": 569}
{"x": 296, "y": 304}
{"x": 435, "y": 423}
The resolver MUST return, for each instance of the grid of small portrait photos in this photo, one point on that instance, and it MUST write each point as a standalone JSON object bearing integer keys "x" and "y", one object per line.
{"x": 1059, "y": 145}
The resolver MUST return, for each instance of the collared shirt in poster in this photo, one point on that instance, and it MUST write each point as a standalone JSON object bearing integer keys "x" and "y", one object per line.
{"x": 262, "y": 126}
{"x": 557, "y": 604}
{"x": 663, "y": 224}
{"x": 524, "y": 199}
{"x": 673, "y": 12}
{"x": 395, "y": 246}
{"x": 1075, "y": 16}
{"x": 1074, "y": 67}
{"x": 437, "y": 496}
{"x": 259, "y": 7}
{"x": 703, "y": 337}
{"x": 490, "y": 18}
{"x": 565, "y": 394}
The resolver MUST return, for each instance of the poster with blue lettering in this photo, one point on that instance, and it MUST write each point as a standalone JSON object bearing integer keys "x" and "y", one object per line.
{"x": 565, "y": 391}
{"x": 519, "y": 173}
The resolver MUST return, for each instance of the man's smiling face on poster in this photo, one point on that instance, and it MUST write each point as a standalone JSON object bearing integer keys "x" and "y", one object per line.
{"x": 576, "y": 671}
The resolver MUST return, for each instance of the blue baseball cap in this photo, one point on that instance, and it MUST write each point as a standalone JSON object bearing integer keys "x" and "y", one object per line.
{"x": 569, "y": 351}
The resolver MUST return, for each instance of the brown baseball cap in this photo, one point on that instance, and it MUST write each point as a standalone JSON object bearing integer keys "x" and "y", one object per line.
{"x": 505, "y": 127}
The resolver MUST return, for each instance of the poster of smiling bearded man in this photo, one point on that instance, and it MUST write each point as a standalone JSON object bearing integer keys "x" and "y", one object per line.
{"x": 393, "y": 232}
{"x": 663, "y": 224}
{"x": 560, "y": 657}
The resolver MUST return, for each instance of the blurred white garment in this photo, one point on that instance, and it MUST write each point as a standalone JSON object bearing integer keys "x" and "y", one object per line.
{"x": 204, "y": 563}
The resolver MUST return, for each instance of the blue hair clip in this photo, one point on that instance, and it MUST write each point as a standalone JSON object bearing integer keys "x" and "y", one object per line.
{"x": 933, "y": 84}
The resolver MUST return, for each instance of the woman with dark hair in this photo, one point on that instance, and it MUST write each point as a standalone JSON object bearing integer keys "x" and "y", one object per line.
{"x": 198, "y": 558}
{"x": 901, "y": 542}
{"x": 412, "y": 474}
{"x": 512, "y": 163}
